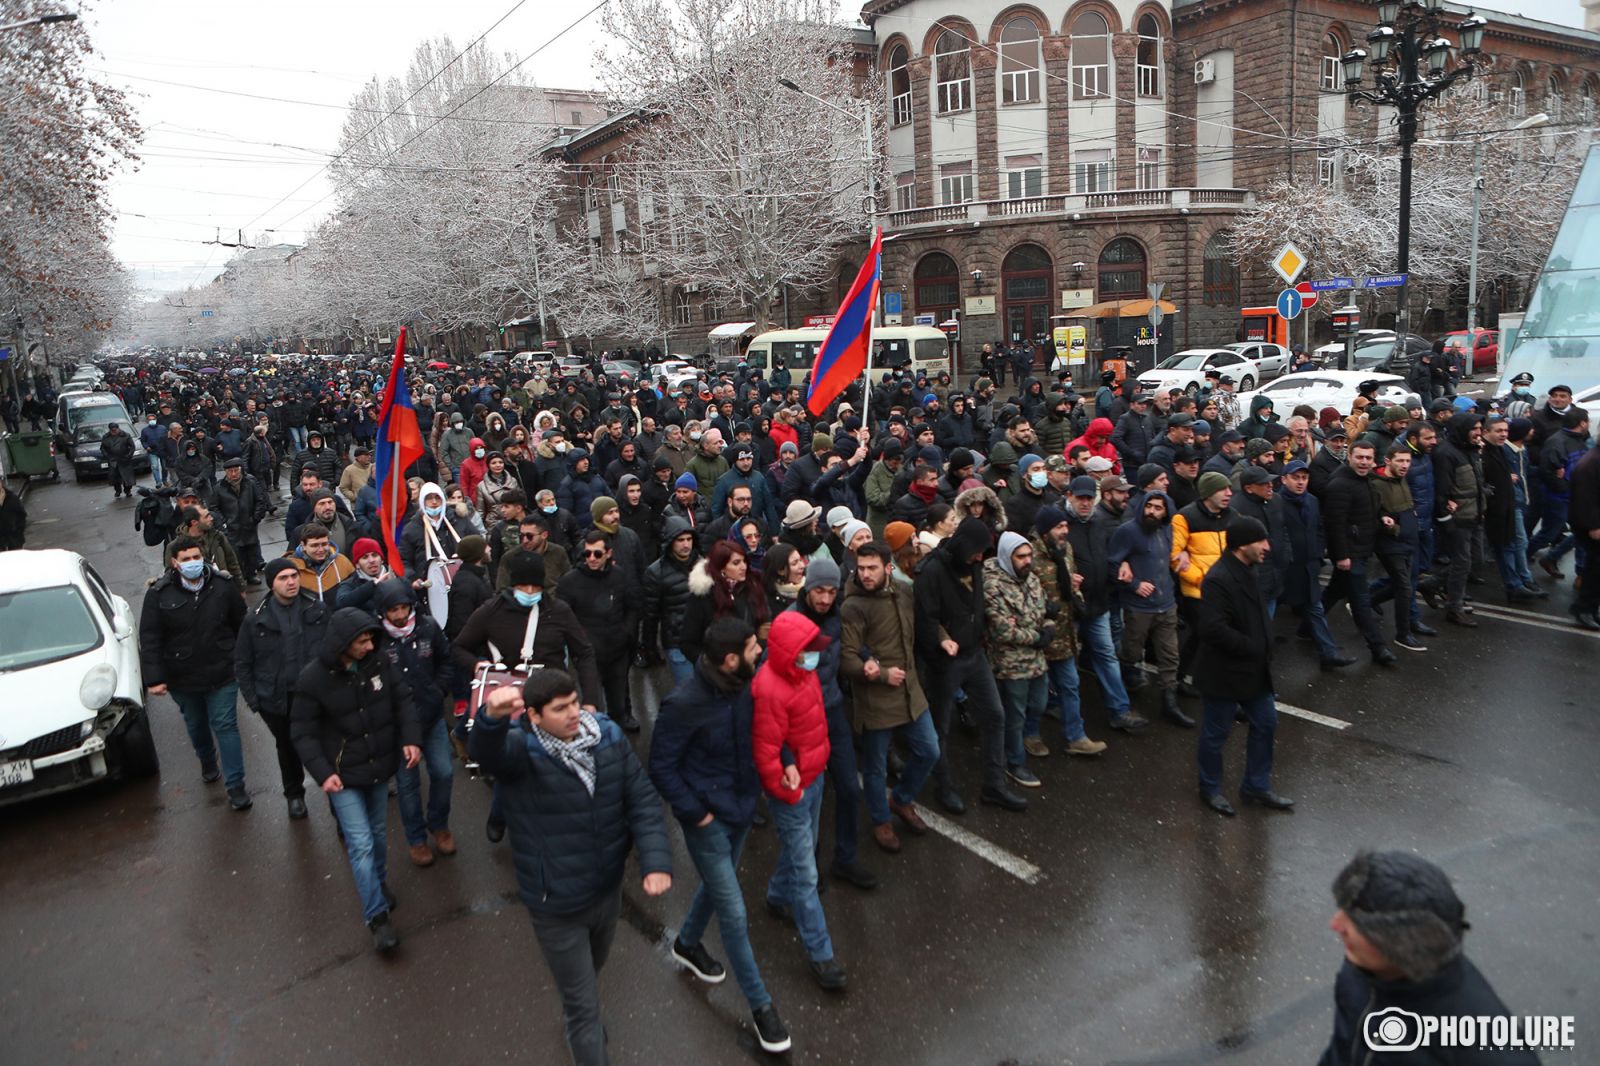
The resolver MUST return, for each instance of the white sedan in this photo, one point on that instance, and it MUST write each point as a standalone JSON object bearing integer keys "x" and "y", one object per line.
{"x": 1326, "y": 388}
{"x": 1270, "y": 359}
{"x": 70, "y": 683}
{"x": 1186, "y": 370}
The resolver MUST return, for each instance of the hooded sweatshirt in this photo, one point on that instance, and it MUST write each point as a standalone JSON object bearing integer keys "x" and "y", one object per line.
{"x": 1098, "y": 441}
{"x": 1149, "y": 555}
{"x": 473, "y": 468}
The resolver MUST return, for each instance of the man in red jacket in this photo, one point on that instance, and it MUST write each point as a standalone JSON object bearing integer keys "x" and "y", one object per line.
{"x": 789, "y": 737}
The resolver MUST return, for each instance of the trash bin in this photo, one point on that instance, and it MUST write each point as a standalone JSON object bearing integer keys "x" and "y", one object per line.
{"x": 32, "y": 454}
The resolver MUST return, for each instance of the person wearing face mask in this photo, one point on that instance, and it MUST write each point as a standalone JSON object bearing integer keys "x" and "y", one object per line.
{"x": 432, "y": 534}
{"x": 474, "y": 467}
{"x": 789, "y": 738}
{"x": 563, "y": 526}
{"x": 187, "y": 629}
{"x": 150, "y": 436}
{"x": 1029, "y": 495}
{"x": 261, "y": 462}
{"x": 419, "y": 653}
{"x": 194, "y": 468}
{"x": 1019, "y": 626}
{"x": 1518, "y": 403}
{"x": 455, "y": 445}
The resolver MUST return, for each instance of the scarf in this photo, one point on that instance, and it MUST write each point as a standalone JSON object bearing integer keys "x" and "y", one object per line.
{"x": 576, "y": 754}
{"x": 924, "y": 492}
{"x": 400, "y": 632}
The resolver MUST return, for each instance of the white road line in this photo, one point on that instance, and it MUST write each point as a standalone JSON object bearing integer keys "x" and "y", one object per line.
{"x": 1537, "y": 616}
{"x": 1313, "y": 716}
{"x": 1544, "y": 622}
{"x": 1015, "y": 865}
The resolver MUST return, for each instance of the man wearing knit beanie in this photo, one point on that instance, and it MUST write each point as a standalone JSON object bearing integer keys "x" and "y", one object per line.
{"x": 1401, "y": 924}
{"x": 1233, "y": 669}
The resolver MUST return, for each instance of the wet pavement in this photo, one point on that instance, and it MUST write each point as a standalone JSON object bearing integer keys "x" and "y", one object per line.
{"x": 1115, "y": 922}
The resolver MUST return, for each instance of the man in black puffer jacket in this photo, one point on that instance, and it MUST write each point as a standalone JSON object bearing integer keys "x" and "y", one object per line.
{"x": 1402, "y": 925}
{"x": 601, "y": 594}
{"x": 576, "y": 802}
{"x": 666, "y": 597}
{"x": 353, "y": 722}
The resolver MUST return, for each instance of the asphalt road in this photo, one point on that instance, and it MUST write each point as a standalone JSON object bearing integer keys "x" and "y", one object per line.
{"x": 1115, "y": 922}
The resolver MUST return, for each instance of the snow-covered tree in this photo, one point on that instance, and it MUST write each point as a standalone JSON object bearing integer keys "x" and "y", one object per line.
{"x": 742, "y": 186}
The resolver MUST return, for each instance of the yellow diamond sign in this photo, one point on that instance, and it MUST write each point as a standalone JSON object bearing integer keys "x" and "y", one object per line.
{"x": 1289, "y": 263}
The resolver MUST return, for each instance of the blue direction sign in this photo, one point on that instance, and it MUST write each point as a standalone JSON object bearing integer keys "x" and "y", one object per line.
{"x": 1384, "y": 281}
{"x": 1333, "y": 284}
{"x": 1290, "y": 303}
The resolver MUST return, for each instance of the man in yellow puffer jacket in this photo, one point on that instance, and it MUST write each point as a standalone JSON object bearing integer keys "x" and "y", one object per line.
{"x": 1199, "y": 536}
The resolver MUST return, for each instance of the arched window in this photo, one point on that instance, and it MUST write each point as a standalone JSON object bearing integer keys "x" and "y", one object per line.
{"x": 952, "y": 62}
{"x": 1149, "y": 63}
{"x": 681, "y": 314}
{"x": 1586, "y": 100}
{"x": 900, "y": 84}
{"x": 1516, "y": 93}
{"x": 1122, "y": 270}
{"x": 938, "y": 286}
{"x": 1552, "y": 97}
{"x": 1221, "y": 274}
{"x": 1332, "y": 64}
{"x": 1019, "y": 62}
{"x": 1091, "y": 56}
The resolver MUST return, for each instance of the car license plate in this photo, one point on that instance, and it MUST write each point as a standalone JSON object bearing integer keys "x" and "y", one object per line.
{"x": 15, "y": 773}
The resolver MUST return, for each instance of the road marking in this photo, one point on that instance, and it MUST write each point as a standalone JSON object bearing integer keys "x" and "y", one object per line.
{"x": 1542, "y": 622}
{"x": 1015, "y": 865}
{"x": 1537, "y": 616}
{"x": 1313, "y": 716}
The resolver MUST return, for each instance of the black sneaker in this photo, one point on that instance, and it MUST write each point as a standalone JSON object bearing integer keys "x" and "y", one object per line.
{"x": 239, "y": 799}
{"x": 770, "y": 1031}
{"x": 384, "y": 938}
{"x": 210, "y": 773}
{"x": 781, "y": 911}
{"x": 699, "y": 962}
{"x": 495, "y": 831}
{"x": 829, "y": 975}
{"x": 1410, "y": 644}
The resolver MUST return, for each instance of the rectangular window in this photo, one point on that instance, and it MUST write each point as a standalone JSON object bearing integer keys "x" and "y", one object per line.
{"x": 955, "y": 183}
{"x": 1327, "y": 168}
{"x": 577, "y": 118}
{"x": 1091, "y": 81}
{"x": 1148, "y": 172}
{"x": 1019, "y": 86}
{"x": 1091, "y": 171}
{"x": 905, "y": 191}
{"x": 614, "y": 183}
{"x": 1024, "y": 177}
{"x": 1332, "y": 74}
{"x": 955, "y": 96}
{"x": 902, "y": 108}
{"x": 591, "y": 195}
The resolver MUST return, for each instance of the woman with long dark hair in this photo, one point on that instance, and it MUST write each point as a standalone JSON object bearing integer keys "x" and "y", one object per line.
{"x": 722, "y": 585}
{"x": 783, "y": 574}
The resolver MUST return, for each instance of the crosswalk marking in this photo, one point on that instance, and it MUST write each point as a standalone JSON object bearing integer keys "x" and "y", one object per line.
{"x": 1313, "y": 716}
{"x": 1015, "y": 865}
{"x": 1529, "y": 618}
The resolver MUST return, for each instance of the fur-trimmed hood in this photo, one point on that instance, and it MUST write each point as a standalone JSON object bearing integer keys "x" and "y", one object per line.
{"x": 700, "y": 579}
{"x": 994, "y": 514}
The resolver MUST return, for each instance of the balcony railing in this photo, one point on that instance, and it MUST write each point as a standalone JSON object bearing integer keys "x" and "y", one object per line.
{"x": 1121, "y": 200}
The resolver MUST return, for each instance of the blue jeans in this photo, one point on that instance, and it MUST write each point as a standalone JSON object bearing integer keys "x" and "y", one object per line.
{"x": 155, "y": 469}
{"x": 363, "y": 818}
{"x": 679, "y": 664}
{"x": 1513, "y": 557}
{"x": 1262, "y": 711}
{"x": 437, "y": 755}
{"x": 214, "y": 712}
{"x": 1063, "y": 675}
{"x": 923, "y": 740}
{"x": 1094, "y": 634}
{"x": 715, "y": 851}
{"x": 1553, "y": 532}
{"x": 794, "y": 881}
{"x": 1314, "y": 623}
{"x": 297, "y": 437}
{"x": 1022, "y": 698}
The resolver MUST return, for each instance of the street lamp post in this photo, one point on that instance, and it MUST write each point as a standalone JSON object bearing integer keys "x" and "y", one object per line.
{"x": 1411, "y": 62}
{"x": 40, "y": 20}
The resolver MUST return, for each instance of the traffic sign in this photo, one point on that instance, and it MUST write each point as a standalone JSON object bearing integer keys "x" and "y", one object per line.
{"x": 891, "y": 303}
{"x": 1308, "y": 298}
{"x": 925, "y": 320}
{"x": 1333, "y": 284}
{"x": 1290, "y": 304}
{"x": 1289, "y": 262}
{"x": 207, "y": 314}
{"x": 1384, "y": 281}
{"x": 1155, "y": 314}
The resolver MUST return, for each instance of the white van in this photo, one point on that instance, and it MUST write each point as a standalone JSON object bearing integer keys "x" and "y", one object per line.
{"x": 921, "y": 349}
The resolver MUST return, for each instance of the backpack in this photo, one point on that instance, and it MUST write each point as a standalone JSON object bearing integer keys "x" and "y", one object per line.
{"x": 154, "y": 516}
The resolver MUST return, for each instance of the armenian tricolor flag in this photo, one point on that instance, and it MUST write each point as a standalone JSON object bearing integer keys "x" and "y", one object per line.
{"x": 399, "y": 445}
{"x": 843, "y": 356}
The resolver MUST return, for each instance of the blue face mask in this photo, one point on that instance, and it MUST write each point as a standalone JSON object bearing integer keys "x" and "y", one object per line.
{"x": 1521, "y": 390}
{"x": 809, "y": 660}
{"x": 527, "y": 599}
{"x": 192, "y": 569}
{"x": 1037, "y": 479}
{"x": 433, "y": 512}
{"x": 549, "y": 510}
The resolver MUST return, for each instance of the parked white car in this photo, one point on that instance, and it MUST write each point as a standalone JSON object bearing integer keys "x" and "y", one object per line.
{"x": 1326, "y": 388}
{"x": 1186, "y": 370}
{"x": 1270, "y": 359}
{"x": 71, "y": 690}
{"x": 1327, "y": 354}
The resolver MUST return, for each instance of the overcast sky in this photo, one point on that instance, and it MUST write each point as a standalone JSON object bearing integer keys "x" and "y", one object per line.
{"x": 215, "y": 160}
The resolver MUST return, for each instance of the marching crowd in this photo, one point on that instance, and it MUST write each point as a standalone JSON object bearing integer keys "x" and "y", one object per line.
{"x": 835, "y": 600}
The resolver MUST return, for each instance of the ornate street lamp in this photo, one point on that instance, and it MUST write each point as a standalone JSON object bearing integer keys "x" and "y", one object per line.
{"x": 1412, "y": 62}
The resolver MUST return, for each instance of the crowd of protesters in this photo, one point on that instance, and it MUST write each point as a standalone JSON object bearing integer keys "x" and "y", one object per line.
{"x": 830, "y": 602}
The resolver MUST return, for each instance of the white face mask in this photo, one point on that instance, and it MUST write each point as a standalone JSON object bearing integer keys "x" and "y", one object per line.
{"x": 478, "y": 453}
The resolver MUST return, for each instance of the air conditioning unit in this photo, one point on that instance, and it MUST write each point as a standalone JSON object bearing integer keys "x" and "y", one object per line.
{"x": 1205, "y": 71}
{"x": 693, "y": 286}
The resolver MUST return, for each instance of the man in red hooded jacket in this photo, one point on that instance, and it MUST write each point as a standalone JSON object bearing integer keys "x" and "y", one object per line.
{"x": 789, "y": 737}
{"x": 1098, "y": 440}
